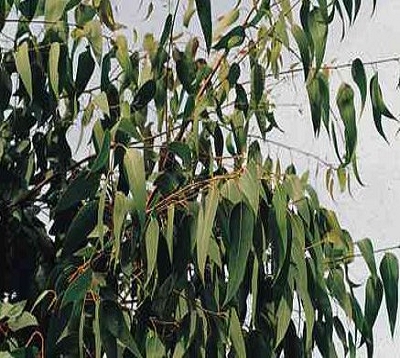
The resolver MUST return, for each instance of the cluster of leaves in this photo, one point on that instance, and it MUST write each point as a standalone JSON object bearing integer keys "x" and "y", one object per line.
{"x": 176, "y": 237}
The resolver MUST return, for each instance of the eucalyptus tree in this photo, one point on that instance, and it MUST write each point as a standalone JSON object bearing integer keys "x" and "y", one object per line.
{"x": 177, "y": 236}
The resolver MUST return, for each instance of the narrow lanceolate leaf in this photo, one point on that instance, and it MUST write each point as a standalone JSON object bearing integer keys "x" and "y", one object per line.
{"x": 134, "y": 166}
{"x": 119, "y": 212}
{"x": 283, "y": 315}
{"x": 379, "y": 107}
{"x": 257, "y": 84}
{"x": 24, "y": 67}
{"x": 101, "y": 102}
{"x": 102, "y": 159}
{"x": 318, "y": 28}
{"x": 345, "y": 103}
{"x": 279, "y": 202}
{"x": 204, "y": 227}
{"x": 241, "y": 226}
{"x": 360, "y": 78}
{"x": 367, "y": 252}
{"x": 205, "y": 17}
{"x": 303, "y": 45}
{"x": 236, "y": 335}
{"x": 54, "y": 58}
{"x": 170, "y": 230}
{"x": 314, "y": 97}
{"x": 96, "y": 329}
{"x": 151, "y": 239}
{"x": 76, "y": 291}
{"x": 373, "y": 299}
{"x": 389, "y": 269}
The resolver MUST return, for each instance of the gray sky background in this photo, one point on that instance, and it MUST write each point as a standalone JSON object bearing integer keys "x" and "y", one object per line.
{"x": 374, "y": 210}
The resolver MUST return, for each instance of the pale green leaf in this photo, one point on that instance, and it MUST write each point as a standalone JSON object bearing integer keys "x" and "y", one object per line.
{"x": 101, "y": 102}
{"x": 54, "y": 58}
{"x": 24, "y": 67}
{"x": 54, "y": 9}
{"x": 119, "y": 213}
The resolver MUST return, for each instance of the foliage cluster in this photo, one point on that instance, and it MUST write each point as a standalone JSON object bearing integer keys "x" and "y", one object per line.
{"x": 176, "y": 237}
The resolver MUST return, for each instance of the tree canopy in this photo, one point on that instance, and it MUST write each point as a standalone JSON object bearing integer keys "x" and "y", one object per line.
{"x": 176, "y": 235}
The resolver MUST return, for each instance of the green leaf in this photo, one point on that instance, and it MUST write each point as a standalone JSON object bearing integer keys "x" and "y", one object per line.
{"x": 112, "y": 322}
{"x": 94, "y": 35}
{"x": 389, "y": 269}
{"x": 145, "y": 94}
{"x": 360, "y": 78}
{"x": 134, "y": 166}
{"x": 241, "y": 226}
{"x": 367, "y": 252}
{"x": 154, "y": 345}
{"x": 24, "y": 67}
{"x": 314, "y": 96}
{"x": 279, "y": 202}
{"x": 54, "y": 9}
{"x": 283, "y": 314}
{"x": 233, "y": 38}
{"x": 257, "y": 84}
{"x": 345, "y": 103}
{"x": 54, "y": 58}
{"x": 82, "y": 225}
{"x": 303, "y": 45}
{"x": 373, "y": 300}
{"x": 318, "y": 28}
{"x": 119, "y": 213}
{"x": 378, "y": 105}
{"x": 24, "y": 320}
{"x": 82, "y": 187}
{"x": 84, "y": 72}
{"x": 101, "y": 102}
{"x": 236, "y": 334}
{"x": 170, "y": 230}
{"x": 205, "y": 17}
{"x": 205, "y": 224}
{"x": 96, "y": 329}
{"x": 76, "y": 291}
{"x": 102, "y": 159}
{"x": 151, "y": 238}
{"x": 249, "y": 185}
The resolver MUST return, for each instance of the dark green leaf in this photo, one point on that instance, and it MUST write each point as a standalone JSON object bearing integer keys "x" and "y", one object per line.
{"x": 86, "y": 65}
{"x": 360, "y": 78}
{"x": 389, "y": 269}
{"x": 78, "y": 288}
{"x": 257, "y": 84}
{"x": 314, "y": 96}
{"x": 205, "y": 17}
{"x": 345, "y": 103}
{"x": 302, "y": 42}
{"x": 373, "y": 300}
{"x": 145, "y": 94}
{"x": 367, "y": 252}
{"x": 318, "y": 28}
{"x": 241, "y": 226}
{"x": 233, "y": 74}
{"x": 102, "y": 159}
{"x": 83, "y": 187}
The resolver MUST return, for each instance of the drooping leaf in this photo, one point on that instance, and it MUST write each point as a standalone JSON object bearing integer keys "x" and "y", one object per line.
{"x": 318, "y": 28}
{"x": 134, "y": 166}
{"x": 102, "y": 158}
{"x": 84, "y": 72}
{"x": 379, "y": 107}
{"x": 236, "y": 334}
{"x": 205, "y": 16}
{"x": 367, "y": 252}
{"x": 345, "y": 103}
{"x": 314, "y": 96}
{"x": 54, "y": 58}
{"x": 205, "y": 225}
{"x": 257, "y": 84}
{"x": 389, "y": 269}
{"x": 119, "y": 212}
{"x": 151, "y": 238}
{"x": 373, "y": 299}
{"x": 241, "y": 226}
{"x": 24, "y": 67}
{"x": 303, "y": 45}
{"x": 94, "y": 34}
{"x": 360, "y": 78}
{"x": 283, "y": 315}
